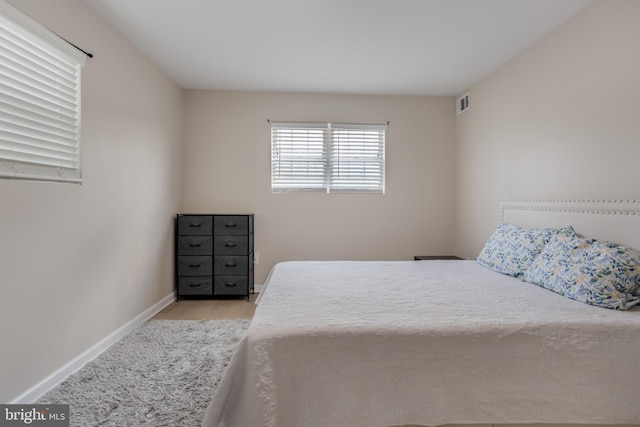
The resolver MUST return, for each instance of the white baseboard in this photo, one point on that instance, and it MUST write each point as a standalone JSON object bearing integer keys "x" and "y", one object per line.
{"x": 35, "y": 392}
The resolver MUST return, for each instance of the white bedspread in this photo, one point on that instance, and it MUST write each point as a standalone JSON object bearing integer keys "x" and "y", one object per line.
{"x": 430, "y": 342}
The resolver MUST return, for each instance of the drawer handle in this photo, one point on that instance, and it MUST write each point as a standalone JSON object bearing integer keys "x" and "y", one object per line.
{"x": 195, "y": 246}
{"x": 230, "y": 285}
{"x": 230, "y": 245}
{"x": 231, "y": 224}
{"x": 195, "y": 285}
{"x": 194, "y": 265}
{"x": 230, "y": 264}
{"x": 195, "y": 225}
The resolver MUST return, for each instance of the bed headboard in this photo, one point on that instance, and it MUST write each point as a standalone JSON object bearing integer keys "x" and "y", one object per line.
{"x": 614, "y": 220}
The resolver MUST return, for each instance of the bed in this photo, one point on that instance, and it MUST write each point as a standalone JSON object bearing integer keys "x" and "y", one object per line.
{"x": 427, "y": 343}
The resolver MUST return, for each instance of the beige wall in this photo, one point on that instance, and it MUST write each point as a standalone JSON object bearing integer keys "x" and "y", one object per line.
{"x": 228, "y": 158}
{"x": 77, "y": 262}
{"x": 561, "y": 120}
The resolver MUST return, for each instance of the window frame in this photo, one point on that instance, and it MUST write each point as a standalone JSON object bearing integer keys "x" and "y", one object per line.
{"x": 359, "y": 169}
{"x": 40, "y": 101}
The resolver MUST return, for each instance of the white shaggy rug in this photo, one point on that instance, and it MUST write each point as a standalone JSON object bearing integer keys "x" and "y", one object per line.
{"x": 163, "y": 373}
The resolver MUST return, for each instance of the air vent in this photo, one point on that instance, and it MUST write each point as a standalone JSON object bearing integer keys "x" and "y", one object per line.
{"x": 462, "y": 103}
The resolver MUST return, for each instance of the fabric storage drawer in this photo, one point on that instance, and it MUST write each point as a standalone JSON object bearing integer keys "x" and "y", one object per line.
{"x": 195, "y": 245}
{"x": 231, "y": 245}
{"x": 195, "y": 225}
{"x": 231, "y": 225}
{"x": 195, "y": 266}
{"x": 231, "y": 265}
{"x": 208, "y": 246}
{"x": 195, "y": 286}
{"x": 230, "y": 285}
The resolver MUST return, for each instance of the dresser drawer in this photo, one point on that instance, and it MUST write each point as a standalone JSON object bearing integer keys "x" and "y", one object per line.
{"x": 195, "y": 245}
{"x": 231, "y": 245}
{"x": 195, "y": 266}
{"x": 195, "y": 286}
{"x": 231, "y": 225}
{"x": 231, "y": 265}
{"x": 230, "y": 285}
{"x": 195, "y": 225}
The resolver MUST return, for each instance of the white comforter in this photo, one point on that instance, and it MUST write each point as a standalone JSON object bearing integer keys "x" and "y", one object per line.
{"x": 431, "y": 342}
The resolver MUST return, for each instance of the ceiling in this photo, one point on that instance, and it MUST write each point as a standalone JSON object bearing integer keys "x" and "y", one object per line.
{"x": 403, "y": 47}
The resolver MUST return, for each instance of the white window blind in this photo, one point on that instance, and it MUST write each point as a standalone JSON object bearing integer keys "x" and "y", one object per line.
{"x": 327, "y": 157}
{"x": 39, "y": 101}
{"x": 356, "y": 160}
{"x": 298, "y": 156}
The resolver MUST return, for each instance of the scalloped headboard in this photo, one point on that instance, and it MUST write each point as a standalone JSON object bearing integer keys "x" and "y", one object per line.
{"x": 614, "y": 220}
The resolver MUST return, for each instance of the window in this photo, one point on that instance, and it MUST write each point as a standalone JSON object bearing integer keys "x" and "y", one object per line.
{"x": 39, "y": 101}
{"x": 327, "y": 157}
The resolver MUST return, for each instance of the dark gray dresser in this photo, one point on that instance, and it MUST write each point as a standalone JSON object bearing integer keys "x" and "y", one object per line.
{"x": 214, "y": 255}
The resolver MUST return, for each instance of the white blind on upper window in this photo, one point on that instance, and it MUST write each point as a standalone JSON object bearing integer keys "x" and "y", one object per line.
{"x": 327, "y": 157}
{"x": 357, "y": 158}
{"x": 39, "y": 101}
{"x": 298, "y": 156}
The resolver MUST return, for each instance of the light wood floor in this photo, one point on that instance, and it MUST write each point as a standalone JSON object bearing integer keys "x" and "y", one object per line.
{"x": 214, "y": 309}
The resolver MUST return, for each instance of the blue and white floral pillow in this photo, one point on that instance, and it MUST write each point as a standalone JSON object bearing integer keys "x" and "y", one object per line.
{"x": 511, "y": 249}
{"x": 588, "y": 270}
